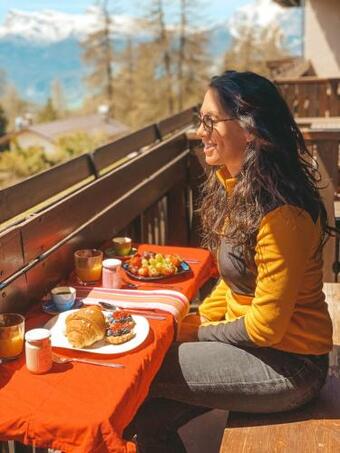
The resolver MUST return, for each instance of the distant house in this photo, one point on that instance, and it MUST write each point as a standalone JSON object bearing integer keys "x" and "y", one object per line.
{"x": 46, "y": 135}
{"x": 321, "y": 34}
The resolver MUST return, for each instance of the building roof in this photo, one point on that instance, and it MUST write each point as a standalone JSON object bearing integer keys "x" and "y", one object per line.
{"x": 91, "y": 124}
{"x": 288, "y": 2}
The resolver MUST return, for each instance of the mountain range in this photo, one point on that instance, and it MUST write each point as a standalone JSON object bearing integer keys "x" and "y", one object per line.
{"x": 38, "y": 47}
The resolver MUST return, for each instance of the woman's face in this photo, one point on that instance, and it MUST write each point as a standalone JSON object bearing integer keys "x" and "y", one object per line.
{"x": 226, "y": 143}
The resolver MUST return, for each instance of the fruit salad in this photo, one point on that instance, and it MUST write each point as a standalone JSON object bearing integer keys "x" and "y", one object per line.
{"x": 150, "y": 264}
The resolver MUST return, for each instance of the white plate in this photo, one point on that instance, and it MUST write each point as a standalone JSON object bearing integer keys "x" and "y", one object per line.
{"x": 56, "y": 325}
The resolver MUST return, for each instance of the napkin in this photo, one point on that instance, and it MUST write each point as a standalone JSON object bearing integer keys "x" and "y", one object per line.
{"x": 173, "y": 302}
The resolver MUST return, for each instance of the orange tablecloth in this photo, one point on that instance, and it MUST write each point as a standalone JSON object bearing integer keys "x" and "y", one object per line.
{"x": 83, "y": 408}
{"x": 200, "y": 261}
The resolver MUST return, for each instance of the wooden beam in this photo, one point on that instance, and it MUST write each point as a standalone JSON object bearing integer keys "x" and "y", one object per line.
{"x": 32, "y": 191}
{"x": 51, "y": 226}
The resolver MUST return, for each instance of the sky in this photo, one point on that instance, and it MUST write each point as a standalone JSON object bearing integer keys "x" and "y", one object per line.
{"x": 216, "y": 9}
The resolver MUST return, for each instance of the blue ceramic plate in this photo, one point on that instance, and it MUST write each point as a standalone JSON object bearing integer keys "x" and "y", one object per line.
{"x": 183, "y": 269}
{"x": 49, "y": 306}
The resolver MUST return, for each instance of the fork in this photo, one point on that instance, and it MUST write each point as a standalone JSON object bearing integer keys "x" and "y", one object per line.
{"x": 145, "y": 312}
{"x": 58, "y": 359}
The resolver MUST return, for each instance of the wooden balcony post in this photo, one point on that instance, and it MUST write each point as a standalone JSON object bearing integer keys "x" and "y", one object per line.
{"x": 177, "y": 213}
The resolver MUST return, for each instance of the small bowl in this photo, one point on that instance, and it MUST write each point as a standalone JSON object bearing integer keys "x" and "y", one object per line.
{"x": 63, "y": 297}
{"x": 122, "y": 245}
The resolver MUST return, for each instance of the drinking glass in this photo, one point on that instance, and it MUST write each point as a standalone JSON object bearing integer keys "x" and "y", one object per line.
{"x": 88, "y": 265}
{"x": 12, "y": 329}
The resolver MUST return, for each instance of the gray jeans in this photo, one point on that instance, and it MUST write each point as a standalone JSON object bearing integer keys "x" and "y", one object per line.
{"x": 196, "y": 377}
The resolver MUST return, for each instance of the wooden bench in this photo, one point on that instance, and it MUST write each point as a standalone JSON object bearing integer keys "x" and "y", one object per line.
{"x": 313, "y": 428}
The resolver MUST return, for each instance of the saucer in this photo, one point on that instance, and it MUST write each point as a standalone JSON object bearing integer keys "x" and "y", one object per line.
{"x": 110, "y": 252}
{"x": 48, "y": 306}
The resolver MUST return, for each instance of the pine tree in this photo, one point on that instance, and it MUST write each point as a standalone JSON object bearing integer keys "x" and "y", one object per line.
{"x": 162, "y": 47}
{"x": 253, "y": 46}
{"x": 193, "y": 61}
{"x": 126, "y": 80}
{"x": 48, "y": 112}
{"x": 150, "y": 101}
{"x": 13, "y": 104}
{"x": 3, "y": 121}
{"x": 58, "y": 99}
{"x": 3, "y": 81}
{"x": 98, "y": 54}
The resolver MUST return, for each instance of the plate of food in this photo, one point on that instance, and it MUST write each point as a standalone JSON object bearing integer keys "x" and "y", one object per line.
{"x": 92, "y": 330}
{"x": 147, "y": 266}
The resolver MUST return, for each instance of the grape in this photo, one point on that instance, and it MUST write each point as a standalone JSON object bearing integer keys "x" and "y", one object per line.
{"x": 153, "y": 272}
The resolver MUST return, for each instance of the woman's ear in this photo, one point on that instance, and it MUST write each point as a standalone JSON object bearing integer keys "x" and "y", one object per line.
{"x": 249, "y": 136}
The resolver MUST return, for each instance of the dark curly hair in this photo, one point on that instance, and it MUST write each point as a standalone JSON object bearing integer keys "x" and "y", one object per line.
{"x": 278, "y": 168}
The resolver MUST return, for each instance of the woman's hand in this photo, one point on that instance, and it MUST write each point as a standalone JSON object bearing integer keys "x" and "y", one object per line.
{"x": 189, "y": 328}
{"x": 203, "y": 319}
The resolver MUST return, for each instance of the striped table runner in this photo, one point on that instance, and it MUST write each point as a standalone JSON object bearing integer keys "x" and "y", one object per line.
{"x": 169, "y": 301}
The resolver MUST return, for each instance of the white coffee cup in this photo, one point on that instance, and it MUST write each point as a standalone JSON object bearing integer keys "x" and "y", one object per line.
{"x": 63, "y": 297}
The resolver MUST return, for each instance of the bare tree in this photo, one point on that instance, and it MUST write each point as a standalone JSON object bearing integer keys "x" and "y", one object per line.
{"x": 3, "y": 81}
{"x": 162, "y": 43}
{"x": 58, "y": 99}
{"x": 126, "y": 81}
{"x": 253, "y": 46}
{"x": 99, "y": 54}
{"x": 149, "y": 101}
{"x": 193, "y": 60}
{"x": 13, "y": 104}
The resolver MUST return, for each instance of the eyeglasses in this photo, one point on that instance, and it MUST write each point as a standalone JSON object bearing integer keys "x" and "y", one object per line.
{"x": 208, "y": 122}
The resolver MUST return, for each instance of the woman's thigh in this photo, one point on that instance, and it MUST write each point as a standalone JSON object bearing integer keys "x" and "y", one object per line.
{"x": 218, "y": 375}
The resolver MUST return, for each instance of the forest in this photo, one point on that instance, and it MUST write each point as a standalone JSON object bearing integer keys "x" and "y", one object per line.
{"x": 140, "y": 84}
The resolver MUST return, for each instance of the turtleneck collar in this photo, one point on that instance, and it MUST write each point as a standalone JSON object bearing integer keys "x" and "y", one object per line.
{"x": 225, "y": 179}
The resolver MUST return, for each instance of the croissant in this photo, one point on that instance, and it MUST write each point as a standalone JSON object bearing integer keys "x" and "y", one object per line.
{"x": 85, "y": 327}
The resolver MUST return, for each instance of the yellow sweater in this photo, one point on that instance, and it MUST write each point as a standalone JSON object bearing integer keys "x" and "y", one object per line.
{"x": 288, "y": 310}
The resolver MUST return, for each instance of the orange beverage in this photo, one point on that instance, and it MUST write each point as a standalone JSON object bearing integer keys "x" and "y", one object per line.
{"x": 88, "y": 265}
{"x": 90, "y": 274}
{"x": 12, "y": 327}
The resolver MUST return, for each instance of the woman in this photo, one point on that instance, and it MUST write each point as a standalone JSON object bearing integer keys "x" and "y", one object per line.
{"x": 265, "y": 335}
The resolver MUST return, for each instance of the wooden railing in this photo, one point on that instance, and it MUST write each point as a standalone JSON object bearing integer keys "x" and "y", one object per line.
{"x": 325, "y": 146}
{"x": 81, "y": 170}
{"x": 142, "y": 196}
{"x": 311, "y": 96}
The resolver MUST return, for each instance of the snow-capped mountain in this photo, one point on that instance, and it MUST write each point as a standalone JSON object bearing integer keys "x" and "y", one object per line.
{"x": 263, "y": 13}
{"x": 48, "y": 26}
{"x": 38, "y": 47}
{"x": 257, "y": 13}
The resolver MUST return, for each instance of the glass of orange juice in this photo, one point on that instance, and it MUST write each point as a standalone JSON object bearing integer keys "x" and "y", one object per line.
{"x": 12, "y": 329}
{"x": 88, "y": 265}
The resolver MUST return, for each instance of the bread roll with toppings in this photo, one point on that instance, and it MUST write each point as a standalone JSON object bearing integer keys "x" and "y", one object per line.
{"x": 85, "y": 327}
